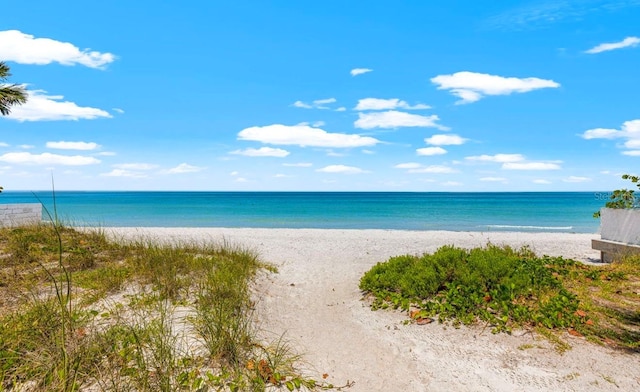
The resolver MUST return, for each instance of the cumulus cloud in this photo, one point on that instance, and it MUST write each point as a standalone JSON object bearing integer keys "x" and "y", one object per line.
{"x": 493, "y": 179}
{"x": 435, "y": 169}
{"x": 124, "y": 173}
{"x": 387, "y": 104}
{"x": 262, "y": 152}
{"x": 304, "y": 136}
{"x": 395, "y": 119}
{"x": 625, "y": 43}
{"x": 26, "y": 49}
{"x": 317, "y": 104}
{"x": 47, "y": 159}
{"x": 472, "y": 86}
{"x": 341, "y": 169}
{"x": 83, "y": 146}
{"x": 184, "y": 168}
{"x": 429, "y": 151}
{"x": 530, "y": 166}
{"x": 576, "y": 179}
{"x": 445, "y": 140}
{"x": 43, "y": 107}
{"x": 135, "y": 166}
{"x": 360, "y": 71}
{"x": 500, "y": 158}
{"x": 629, "y": 132}
{"x": 408, "y": 165}
{"x": 541, "y": 181}
{"x": 300, "y": 164}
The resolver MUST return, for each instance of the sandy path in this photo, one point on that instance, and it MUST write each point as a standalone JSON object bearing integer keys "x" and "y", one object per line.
{"x": 315, "y": 299}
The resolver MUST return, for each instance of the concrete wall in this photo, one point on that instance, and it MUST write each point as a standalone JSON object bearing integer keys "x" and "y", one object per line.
{"x": 620, "y": 225}
{"x": 20, "y": 214}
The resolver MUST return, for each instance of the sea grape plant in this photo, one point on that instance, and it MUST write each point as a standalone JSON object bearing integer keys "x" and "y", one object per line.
{"x": 623, "y": 198}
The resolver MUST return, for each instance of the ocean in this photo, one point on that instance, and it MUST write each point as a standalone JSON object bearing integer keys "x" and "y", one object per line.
{"x": 509, "y": 211}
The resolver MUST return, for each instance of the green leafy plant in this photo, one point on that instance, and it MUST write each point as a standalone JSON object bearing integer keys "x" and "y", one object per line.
{"x": 507, "y": 288}
{"x": 623, "y": 198}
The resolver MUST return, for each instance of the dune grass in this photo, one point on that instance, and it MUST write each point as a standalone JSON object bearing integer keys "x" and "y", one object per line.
{"x": 78, "y": 311}
{"x": 505, "y": 288}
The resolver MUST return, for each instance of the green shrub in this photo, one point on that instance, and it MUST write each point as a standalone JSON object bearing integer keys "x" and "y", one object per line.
{"x": 499, "y": 285}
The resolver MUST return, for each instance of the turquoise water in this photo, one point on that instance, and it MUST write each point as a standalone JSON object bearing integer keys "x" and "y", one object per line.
{"x": 513, "y": 211}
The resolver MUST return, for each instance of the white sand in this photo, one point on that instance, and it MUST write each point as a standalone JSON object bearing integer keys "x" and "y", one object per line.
{"x": 315, "y": 300}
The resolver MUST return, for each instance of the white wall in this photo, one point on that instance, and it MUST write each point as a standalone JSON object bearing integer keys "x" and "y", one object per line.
{"x": 621, "y": 225}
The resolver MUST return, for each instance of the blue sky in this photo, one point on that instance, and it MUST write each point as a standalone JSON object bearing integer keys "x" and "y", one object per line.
{"x": 333, "y": 95}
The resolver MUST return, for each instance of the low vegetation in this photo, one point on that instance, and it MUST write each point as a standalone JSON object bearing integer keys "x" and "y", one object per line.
{"x": 506, "y": 288}
{"x": 80, "y": 312}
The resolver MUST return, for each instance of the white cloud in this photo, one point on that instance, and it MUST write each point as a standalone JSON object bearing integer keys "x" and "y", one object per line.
{"x": 106, "y": 153}
{"x": 472, "y": 86}
{"x": 304, "y": 136}
{"x": 540, "y": 181}
{"x": 135, "y": 166}
{"x": 42, "y": 107}
{"x": 3, "y": 144}
{"x": 280, "y": 175}
{"x": 601, "y": 133}
{"x": 428, "y": 151}
{"x": 318, "y": 124}
{"x": 234, "y": 173}
{"x": 493, "y": 179}
{"x": 241, "y": 179}
{"x": 83, "y": 146}
{"x": 445, "y": 140}
{"x": 500, "y": 158}
{"x": 47, "y": 159}
{"x": 301, "y": 164}
{"x": 341, "y": 109}
{"x": 26, "y": 146}
{"x": 530, "y": 166}
{"x": 26, "y": 49}
{"x": 436, "y": 169}
{"x": 630, "y": 130}
{"x": 625, "y": 43}
{"x": 118, "y": 110}
{"x": 317, "y": 104}
{"x": 452, "y": 183}
{"x": 386, "y": 104}
{"x": 360, "y": 71}
{"x": 394, "y": 119}
{"x": 369, "y": 152}
{"x": 632, "y": 144}
{"x": 408, "y": 165}
{"x": 576, "y": 179}
{"x": 124, "y": 173}
{"x": 300, "y": 104}
{"x": 262, "y": 152}
{"x": 184, "y": 168}
{"x": 324, "y": 101}
{"x": 341, "y": 169}
{"x": 632, "y": 153}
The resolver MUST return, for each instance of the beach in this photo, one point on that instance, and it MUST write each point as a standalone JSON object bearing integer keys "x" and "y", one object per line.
{"x": 314, "y": 302}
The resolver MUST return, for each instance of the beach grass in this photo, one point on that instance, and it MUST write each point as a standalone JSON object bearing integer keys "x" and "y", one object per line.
{"x": 79, "y": 311}
{"x": 507, "y": 289}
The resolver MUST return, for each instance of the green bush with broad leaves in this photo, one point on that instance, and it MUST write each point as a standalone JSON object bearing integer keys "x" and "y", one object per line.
{"x": 623, "y": 198}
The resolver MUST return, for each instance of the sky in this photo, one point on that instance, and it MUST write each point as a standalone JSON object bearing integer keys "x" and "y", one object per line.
{"x": 335, "y": 95}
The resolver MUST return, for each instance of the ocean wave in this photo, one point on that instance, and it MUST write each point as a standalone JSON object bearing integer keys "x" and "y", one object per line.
{"x": 530, "y": 227}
